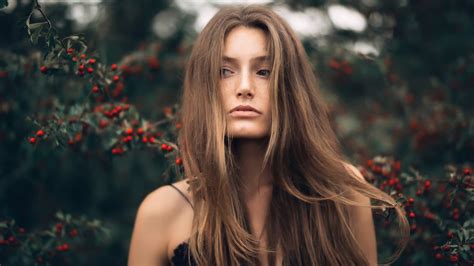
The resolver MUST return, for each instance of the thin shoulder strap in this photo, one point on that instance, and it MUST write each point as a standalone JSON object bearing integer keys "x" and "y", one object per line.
{"x": 184, "y": 196}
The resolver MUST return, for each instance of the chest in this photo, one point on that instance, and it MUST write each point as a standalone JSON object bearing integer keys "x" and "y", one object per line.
{"x": 181, "y": 230}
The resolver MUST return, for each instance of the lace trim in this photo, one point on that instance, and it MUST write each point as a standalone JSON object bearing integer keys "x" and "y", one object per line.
{"x": 180, "y": 255}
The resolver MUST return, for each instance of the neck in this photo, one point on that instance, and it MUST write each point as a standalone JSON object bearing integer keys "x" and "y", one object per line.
{"x": 249, "y": 154}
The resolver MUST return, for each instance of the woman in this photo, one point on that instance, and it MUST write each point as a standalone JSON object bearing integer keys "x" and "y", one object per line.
{"x": 267, "y": 181}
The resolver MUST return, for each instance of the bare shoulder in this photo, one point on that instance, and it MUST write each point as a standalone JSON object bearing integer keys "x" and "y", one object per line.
{"x": 154, "y": 219}
{"x": 164, "y": 200}
{"x": 356, "y": 174}
{"x": 362, "y": 220}
{"x": 354, "y": 171}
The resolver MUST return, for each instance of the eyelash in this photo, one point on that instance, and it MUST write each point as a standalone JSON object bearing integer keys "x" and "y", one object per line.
{"x": 223, "y": 69}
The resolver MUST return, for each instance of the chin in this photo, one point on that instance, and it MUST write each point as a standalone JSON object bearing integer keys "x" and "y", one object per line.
{"x": 248, "y": 133}
{"x": 249, "y": 136}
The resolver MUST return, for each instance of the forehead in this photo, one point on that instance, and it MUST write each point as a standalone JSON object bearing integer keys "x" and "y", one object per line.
{"x": 245, "y": 43}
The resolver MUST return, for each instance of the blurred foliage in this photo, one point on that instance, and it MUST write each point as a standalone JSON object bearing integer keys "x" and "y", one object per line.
{"x": 88, "y": 121}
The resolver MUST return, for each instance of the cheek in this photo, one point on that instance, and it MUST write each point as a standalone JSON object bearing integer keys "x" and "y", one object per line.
{"x": 225, "y": 93}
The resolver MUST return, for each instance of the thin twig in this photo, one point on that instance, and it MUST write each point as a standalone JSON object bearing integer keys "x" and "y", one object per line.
{"x": 37, "y": 6}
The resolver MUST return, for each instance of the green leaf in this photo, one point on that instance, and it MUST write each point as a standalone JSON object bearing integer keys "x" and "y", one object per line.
{"x": 60, "y": 215}
{"x": 460, "y": 234}
{"x": 76, "y": 110}
{"x": 467, "y": 224}
{"x": 3, "y": 3}
{"x": 34, "y": 37}
{"x": 3, "y": 225}
{"x": 36, "y": 26}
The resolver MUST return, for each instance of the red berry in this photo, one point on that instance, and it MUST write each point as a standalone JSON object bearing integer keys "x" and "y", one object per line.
{"x": 144, "y": 139}
{"x": 429, "y": 216}
{"x": 90, "y": 69}
{"x": 129, "y": 131}
{"x": 427, "y": 183}
{"x": 334, "y": 64}
{"x": 83, "y": 56}
{"x": 59, "y": 226}
{"x": 113, "y": 67}
{"x": 370, "y": 163}
{"x": 419, "y": 192}
{"x": 446, "y": 248}
{"x": 70, "y": 50}
{"x": 74, "y": 59}
{"x": 456, "y": 216}
{"x": 169, "y": 148}
{"x": 78, "y": 137}
{"x": 164, "y": 147}
{"x": 44, "y": 69}
{"x": 116, "y": 151}
{"x": 179, "y": 161}
{"x": 396, "y": 165}
{"x": 140, "y": 131}
{"x": 153, "y": 140}
{"x": 40, "y": 133}
{"x": 391, "y": 182}
{"x": 411, "y": 200}
{"x": 81, "y": 67}
{"x": 153, "y": 63}
{"x": 92, "y": 61}
{"x": 103, "y": 123}
{"x": 467, "y": 171}
{"x": 167, "y": 111}
{"x": 346, "y": 68}
{"x": 450, "y": 234}
{"x": 95, "y": 89}
{"x": 116, "y": 78}
{"x": 32, "y": 140}
{"x": 439, "y": 256}
{"x": 73, "y": 232}
{"x": 412, "y": 215}
{"x": 453, "y": 258}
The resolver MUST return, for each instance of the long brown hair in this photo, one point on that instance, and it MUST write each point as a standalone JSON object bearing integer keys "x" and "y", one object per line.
{"x": 313, "y": 192}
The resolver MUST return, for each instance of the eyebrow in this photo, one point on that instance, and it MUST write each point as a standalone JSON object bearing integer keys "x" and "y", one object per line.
{"x": 262, "y": 58}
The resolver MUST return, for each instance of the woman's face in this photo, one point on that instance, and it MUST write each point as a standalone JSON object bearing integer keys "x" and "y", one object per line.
{"x": 245, "y": 72}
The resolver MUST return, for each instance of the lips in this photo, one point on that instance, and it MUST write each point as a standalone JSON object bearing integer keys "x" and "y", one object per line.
{"x": 244, "y": 108}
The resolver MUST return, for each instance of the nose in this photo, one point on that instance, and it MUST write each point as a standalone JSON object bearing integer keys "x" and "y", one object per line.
{"x": 245, "y": 87}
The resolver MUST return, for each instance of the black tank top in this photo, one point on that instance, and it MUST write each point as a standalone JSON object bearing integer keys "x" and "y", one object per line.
{"x": 180, "y": 253}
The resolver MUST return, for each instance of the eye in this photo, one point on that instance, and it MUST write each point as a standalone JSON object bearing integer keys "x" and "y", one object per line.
{"x": 223, "y": 72}
{"x": 264, "y": 72}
